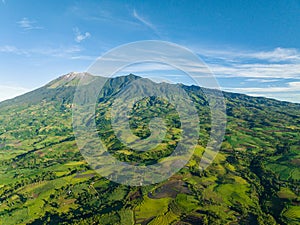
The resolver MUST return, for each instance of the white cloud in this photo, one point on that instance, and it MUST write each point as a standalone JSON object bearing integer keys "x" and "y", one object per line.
{"x": 61, "y": 52}
{"x": 263, "y": 80}
{"x": 12, "y": 49}
{"x": 279, "y": 63}
{"x": 291, "y": 87}
{"x": 147, "y": 67}
{"x": 27, "y": 24}
{"x": 79, "y": 37}
{"x": 144, "y": 22}
{"x": 7, "y": 92}
{"x": 288, "y": 92}
{"x": 256, "y": 70}
{"x": 85, "y": 57}
{"x": 276, "y": 55}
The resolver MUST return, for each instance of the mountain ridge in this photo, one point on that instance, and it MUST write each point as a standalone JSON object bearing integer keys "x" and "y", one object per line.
{"x": 45, "y": 180}
{"x": 71, "y": 79}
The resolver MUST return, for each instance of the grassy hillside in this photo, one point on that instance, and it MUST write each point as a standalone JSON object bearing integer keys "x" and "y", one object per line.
{"x": 45, "y": 180}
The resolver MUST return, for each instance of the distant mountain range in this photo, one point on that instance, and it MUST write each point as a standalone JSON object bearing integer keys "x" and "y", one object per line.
{"x": 45, "y": 180}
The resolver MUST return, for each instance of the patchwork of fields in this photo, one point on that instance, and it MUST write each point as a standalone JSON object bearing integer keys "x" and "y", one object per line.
{"x": 45, "y": 180}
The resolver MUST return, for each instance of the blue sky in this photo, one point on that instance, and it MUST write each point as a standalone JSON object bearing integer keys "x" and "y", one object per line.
{"x": 252, "y": 47}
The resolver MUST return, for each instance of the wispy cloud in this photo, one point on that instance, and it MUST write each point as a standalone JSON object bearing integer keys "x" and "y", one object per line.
{"x": 148, "y": 67}
{"x": 79, "y": 37}
{"x": 289, "y": 91}
{"x": 276, "y": 55}
{"x": 27, "y": 24}
{"x": 255, "y": 70}
{"x": 289, "y": 87}
{"x": 60, "y": 52}
{"x": 145, "y": 22}
{"x": 279, "y": 63}
{"x": 263, "y": 80}
{"x": 3, "y": 1}
{"x": 12, "y": 49}
{"x": 104, "y": 14}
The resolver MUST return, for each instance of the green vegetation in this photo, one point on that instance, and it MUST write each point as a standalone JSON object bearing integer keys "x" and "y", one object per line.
{"x": 45, "y": 180}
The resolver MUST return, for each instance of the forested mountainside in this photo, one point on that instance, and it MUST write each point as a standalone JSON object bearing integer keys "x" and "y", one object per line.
{"x": 45, "y": 180}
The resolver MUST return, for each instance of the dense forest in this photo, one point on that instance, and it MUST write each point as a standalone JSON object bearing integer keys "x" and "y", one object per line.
{"x": 44, "y": 179}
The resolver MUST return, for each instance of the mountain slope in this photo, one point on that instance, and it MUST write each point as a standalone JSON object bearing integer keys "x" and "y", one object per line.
{"x": 45, "y": 180}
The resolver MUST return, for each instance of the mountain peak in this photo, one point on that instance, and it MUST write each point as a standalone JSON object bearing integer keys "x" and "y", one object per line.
{"x": 72, "y": 75}
{"x": 69, "y": 79}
